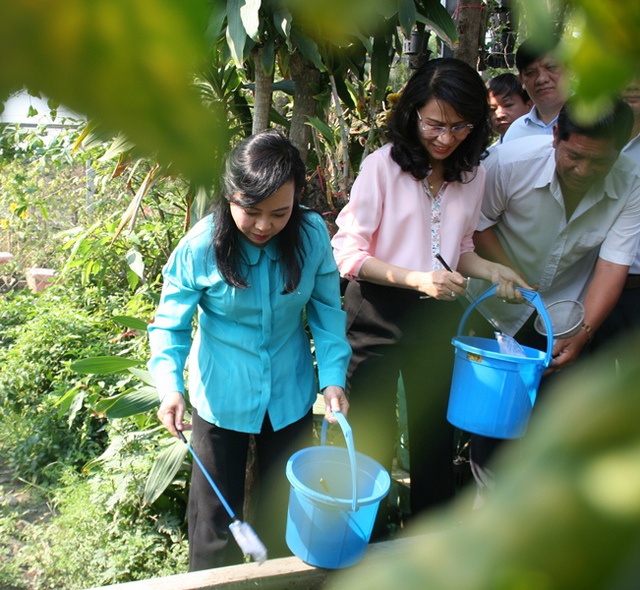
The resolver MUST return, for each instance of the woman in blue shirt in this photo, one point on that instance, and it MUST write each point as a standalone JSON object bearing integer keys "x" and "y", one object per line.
{"x": 250, "y": 270}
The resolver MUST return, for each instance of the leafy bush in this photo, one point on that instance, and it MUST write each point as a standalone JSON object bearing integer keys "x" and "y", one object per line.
{"x": 102, "y": 533}
{"x": 36, "y": 375}
{"x": 69, "y": 209}
{"x": 17, "y": 309}
{"x": 48, "y": 187}
{"x": 72, "y": 206}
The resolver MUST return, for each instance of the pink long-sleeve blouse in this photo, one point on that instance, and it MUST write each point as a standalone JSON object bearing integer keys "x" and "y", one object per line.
{"x": 390, "y": 217}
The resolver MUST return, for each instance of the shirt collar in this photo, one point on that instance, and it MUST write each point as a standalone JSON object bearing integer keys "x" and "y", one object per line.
{"x": 252, "y": 253}
{"x": 547, "y": 176}
{"x": 633, "y": 147}
{"x": 617, "y": 182}
{"x": 533, "y": 118}
{"x": 606, "y": 188}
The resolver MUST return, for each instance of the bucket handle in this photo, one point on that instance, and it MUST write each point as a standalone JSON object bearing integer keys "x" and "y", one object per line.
{"x": 533, "y": 297}
{"x": 348, "y": 437}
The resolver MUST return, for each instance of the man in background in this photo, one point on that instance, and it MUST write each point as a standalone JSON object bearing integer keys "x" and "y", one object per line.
{"x": 545, "y": 81}
{"x": 508, "y": 101}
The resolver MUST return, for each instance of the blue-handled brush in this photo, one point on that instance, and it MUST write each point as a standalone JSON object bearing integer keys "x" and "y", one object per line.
{"x": 242, "y": 532}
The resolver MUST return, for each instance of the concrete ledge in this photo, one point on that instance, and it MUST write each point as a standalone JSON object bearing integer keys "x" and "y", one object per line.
{"x": 289, "y": 573}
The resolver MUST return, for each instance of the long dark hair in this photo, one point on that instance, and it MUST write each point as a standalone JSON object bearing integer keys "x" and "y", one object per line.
{"x": 255, "y": 169}
{"x": 458, "y": 84}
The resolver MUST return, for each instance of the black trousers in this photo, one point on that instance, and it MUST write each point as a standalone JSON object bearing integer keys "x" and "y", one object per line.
{"x": 224, "y": 455}
{"x": 393, "y": 331}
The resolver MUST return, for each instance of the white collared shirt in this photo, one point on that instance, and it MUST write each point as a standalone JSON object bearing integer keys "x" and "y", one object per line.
{"x": 523, "y": 203}
{"x": 632, "y": 149}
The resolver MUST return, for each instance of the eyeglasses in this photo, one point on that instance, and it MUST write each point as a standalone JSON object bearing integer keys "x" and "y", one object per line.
{"x": 438, "y": 130}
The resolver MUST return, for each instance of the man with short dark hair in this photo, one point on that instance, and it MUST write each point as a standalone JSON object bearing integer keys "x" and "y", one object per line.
{"x": 565, "y": 213}
{"x": 545, "y": 80}
{"x": 508, "y": 101}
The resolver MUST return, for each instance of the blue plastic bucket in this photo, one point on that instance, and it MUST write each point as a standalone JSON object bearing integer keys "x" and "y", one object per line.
{"x": 492, "y": 393}
{"x": 333, "y": 501}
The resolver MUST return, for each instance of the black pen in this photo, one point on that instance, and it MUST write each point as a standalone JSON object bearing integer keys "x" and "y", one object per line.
{"x": 446, "y": 266}
{"x": 470, "y": 298}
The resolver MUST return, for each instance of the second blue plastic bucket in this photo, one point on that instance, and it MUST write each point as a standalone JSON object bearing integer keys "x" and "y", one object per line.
{"x": 334, "y": 498}
{"x": 492, "y": 393}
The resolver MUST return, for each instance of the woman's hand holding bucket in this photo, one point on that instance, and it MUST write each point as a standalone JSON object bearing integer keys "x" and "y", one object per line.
{"x": 335, "y": 401}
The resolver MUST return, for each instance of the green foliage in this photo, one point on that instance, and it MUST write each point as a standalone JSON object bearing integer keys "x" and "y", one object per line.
{"x": 101, "y": 533}
{"x": 601, "y": 46}
{"x": 17, "y": 309}
{"x": 61, "y": 207}
{"x": 565, "y": 511}
{"x": 38, "y": 433}
{"x": 129, "y": 64}
{"x": 101, "y": 256}
{"x": 222, "y": 85}
{"x": 135, "y": 403}
{"x": 163, "y": 473}
{"x": 53, "y": 418}
{"x": 46, "y": 188}
{"x": 366, "y": 18}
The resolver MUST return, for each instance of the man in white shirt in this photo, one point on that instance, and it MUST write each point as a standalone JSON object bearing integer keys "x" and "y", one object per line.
{"x": 545, "y": 80}
{"x": 565, "y": 213}
{"x": 626, "y": 314}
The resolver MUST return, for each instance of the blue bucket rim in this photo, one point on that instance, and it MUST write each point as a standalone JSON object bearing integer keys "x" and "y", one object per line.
{"x": 383, "y": 479}
{"x": 459, "y": 342}
{"x": 532, "y": 296}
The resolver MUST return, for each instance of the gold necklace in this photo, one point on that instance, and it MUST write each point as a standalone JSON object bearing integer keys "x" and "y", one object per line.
{"x": 428, "y": 188}
{"x": 434, "y": 184}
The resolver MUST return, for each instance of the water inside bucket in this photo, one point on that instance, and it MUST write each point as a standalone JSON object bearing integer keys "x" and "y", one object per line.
{"x": 322, "y": 529}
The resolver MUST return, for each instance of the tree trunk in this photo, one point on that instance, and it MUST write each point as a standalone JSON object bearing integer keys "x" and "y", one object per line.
{"x": 306, "y": 78}
{"x": 471, "y": 27}
{"x": 262, "y": 94}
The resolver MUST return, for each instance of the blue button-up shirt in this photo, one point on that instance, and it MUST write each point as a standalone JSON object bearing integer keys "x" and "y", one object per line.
{"x": 529, "y": 124}
{"x": 250, "y": 353}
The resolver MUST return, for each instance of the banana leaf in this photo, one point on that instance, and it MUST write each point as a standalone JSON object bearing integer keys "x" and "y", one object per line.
{"x": 137, "y": 401}
{"x": 164, "y": 470}
{"x": 104, "y": 365}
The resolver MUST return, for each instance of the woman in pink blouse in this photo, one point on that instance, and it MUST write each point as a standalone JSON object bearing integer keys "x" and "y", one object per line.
{"x": 415, "y": 198}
